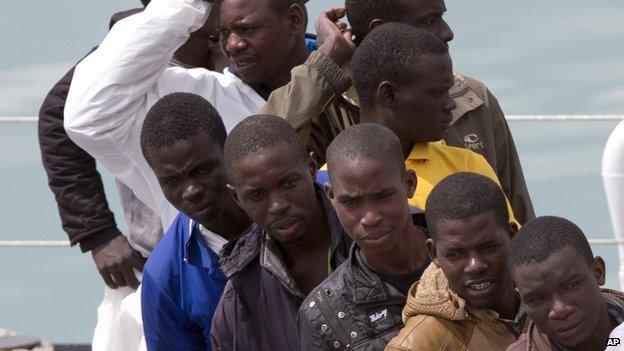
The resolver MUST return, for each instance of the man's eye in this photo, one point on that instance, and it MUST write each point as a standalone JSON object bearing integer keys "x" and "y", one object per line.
{"x": 454, "y": 254}
{"x": 247, "y": 30}
{"x": 348, "y": 202}
{"x": 573, "y": 285}
{"x": 288, "y": 184}
{"x": 203, "y": 170}
{"x": 534, "y": 300}
{"x": 171, "y": 180}
{"x": 255, "y": 196}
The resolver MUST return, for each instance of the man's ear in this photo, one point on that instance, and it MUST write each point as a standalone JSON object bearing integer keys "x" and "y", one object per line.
{"x": 329, "y": 192}
{"x": 386, "y": 94}
{"x": 312, "y": 165}
{"x": 297, "y": 18}
{"x": 411, "y": 181}
{"x": 599, "y": 268}
{"x": 374, "y": 24}
{"x": 433, "y": 253}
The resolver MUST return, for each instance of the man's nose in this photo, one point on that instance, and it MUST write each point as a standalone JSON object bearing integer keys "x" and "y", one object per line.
{"x": 476, "y": 265}
{"x": 559, "y": 309}
{"x": 371, "y": 219}
{"x": 278, "y": 205}
{"x": 234, "y": 43}
{"x": 192, "y": 192}
{"x": 446, "y": 33}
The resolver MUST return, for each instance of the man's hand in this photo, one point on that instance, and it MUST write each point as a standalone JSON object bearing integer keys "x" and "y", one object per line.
{"x": 333, "y": 37}
{"x": 115, "y": 261}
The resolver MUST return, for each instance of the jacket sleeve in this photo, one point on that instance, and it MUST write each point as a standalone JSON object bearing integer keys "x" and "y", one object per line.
{"x": 313, "y": 86}
{"x": 508, "y": 165}
{"x": 113, "y": 88}
{"x": 165, "y": 325}
{"x": 72, "y": 176}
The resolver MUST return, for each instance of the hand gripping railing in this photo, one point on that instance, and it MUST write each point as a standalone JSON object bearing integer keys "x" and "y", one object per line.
{"x": 534, "y": 118}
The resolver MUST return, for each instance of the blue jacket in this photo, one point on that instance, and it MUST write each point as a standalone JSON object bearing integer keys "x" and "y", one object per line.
{"x": 182, "y": 285}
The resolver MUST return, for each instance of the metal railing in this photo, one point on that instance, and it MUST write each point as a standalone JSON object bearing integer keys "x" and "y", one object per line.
{"x": 532, "y": 118}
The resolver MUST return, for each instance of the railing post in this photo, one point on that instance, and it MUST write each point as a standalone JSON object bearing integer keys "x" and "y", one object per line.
{"x": 613, "y": 177}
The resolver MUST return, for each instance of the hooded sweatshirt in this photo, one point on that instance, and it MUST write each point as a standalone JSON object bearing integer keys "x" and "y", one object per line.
{"x": 436, "y": 318}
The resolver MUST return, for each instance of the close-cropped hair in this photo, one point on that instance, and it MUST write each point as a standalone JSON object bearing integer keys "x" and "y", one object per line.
{"x": 369, "y": 141}
{"x": 180, "y": 116}
{"x": 390, "y": 53}
{"x": 360, "y": 13}
{"x": 260, "y": 132}
{"x": 464, "y": 195}
{"x": 541, "y": 237}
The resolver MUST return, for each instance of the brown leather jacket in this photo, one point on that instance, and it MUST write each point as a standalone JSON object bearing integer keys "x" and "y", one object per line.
{"x": 437, "y": 319}
{"x": 319, "y": 103}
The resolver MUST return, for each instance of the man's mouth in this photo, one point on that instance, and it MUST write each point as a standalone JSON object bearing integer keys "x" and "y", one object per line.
{"x": 376, "y": 236}
{"x": 480, "y": 286}
{"x": 284, "y": 224}
{"x": 568, "y": 328}
{"x": 243, "y": 61}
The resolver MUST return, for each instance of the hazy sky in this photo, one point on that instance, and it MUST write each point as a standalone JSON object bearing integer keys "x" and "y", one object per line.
{"x": 544, "y": 57}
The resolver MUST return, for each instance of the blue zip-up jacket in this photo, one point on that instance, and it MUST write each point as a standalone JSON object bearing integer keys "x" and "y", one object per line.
{"x": 182, "y": 285}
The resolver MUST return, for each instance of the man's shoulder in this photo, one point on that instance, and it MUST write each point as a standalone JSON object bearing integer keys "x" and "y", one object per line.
{"x": 168, "y": 253}
{"x": 239, "y": 254}
{"x": 465, "y": 83}
{"x": 423, "y": 332}
{"x": 330, "y": 292}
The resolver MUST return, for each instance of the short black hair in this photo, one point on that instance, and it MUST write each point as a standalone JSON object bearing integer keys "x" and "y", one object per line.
{"x": 361, "y": 13}
{"x": 259, "y": 132}
{"x": 145, "y": 2}
{"x": 179, "y": 116}
{"x": 541, "y": 237}
{"x": 366, "y": 140}
{"x": 390, "y": 52}
{"x": 283, "y": 4}
{"x": 463, "y": 195}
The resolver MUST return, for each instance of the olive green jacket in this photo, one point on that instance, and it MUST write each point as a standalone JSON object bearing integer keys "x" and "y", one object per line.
{"x": 319, "y": 103}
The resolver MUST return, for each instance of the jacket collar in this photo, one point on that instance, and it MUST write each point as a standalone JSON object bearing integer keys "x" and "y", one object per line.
{"x": 198, "y": 252}
{"x": 420, "y": 152}
{"x": 465, "y": 98}
{"x": 368, "y": 288}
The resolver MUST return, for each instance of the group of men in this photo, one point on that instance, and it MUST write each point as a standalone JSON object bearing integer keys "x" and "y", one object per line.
{"x": 347, "y": 192}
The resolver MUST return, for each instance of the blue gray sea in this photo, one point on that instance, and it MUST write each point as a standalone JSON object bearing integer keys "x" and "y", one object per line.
{"x": 549, "y": 57}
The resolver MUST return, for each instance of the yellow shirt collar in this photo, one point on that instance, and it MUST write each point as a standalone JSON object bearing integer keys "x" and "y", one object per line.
{"x": 420, "y": 152}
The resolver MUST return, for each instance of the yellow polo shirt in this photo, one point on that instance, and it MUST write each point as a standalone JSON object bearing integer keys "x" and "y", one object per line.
{"x": 433, "y": 162}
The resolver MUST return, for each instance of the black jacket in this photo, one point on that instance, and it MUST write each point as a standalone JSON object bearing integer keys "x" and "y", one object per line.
{"x": 72, "y": 176}
{"x": 353, "y": 309}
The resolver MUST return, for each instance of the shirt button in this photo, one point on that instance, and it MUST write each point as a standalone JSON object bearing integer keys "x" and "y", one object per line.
{"x": 341, "y": 315}
{"x": 312, "y": 304}
{"x": 336, "y": 344}
{"x": 353, "y": 335}
{"x": 324, "y": 328}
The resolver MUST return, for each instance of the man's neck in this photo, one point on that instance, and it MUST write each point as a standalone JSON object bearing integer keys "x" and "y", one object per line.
{"x": 408, "y": 254}
{"x": 509, "y": 303}
{"x": 298, "y": 57}
{"x": 317, "y": 239}
{"x": 383, "y": 116}
{"x": 230, "y": 224}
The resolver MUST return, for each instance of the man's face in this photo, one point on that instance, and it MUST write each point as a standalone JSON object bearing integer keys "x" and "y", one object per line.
{"x": 276, "y": 188}
{"x": 472, "y": 252}
{"x": 562, "y": 295}
{"x": 257, "y": 39}
{"x": 370, "y": 199}
{"x": 422, "y": 104}
{"x": 427, "y": 14}
{"x": 194, "y": 182}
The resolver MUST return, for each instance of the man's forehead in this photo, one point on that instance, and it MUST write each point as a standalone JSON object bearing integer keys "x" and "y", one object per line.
{"x": 556, "y": 268}
{"x": 422, "y": 8}
{"x": 363, "y": 174}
